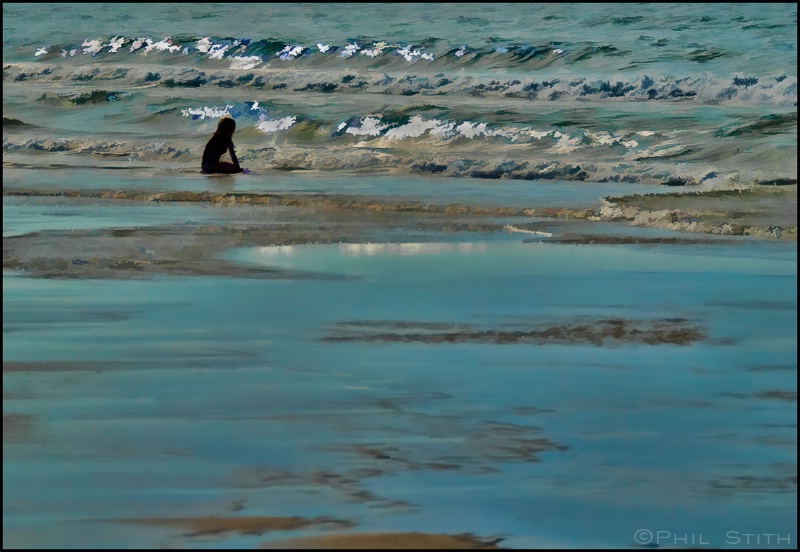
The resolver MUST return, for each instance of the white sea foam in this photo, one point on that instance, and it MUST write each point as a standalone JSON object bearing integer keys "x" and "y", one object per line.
{"x": 370, "y": 126}
{"x": 148, "y": 46}
{"x": 461, "y": 51}
{"x": 217, "y": 51}
{"x": 409, "y": 53}
{"x": 290, "y": 52}
{"x": 376, "y": 49}
{"x": 602, "y": 138}
{"x": 444, "y": 130}
{"x": 204, "y": 45}
{"x": 566, "y": 144}
{"x": 138, "y": 43}
{"x": 245, "y": 62}
{"x": 510, "y": 228}
{"x": 166, "y": 45}
{"x": 115, "y": 44}
{"x": 40, "y": 52}
{"x": 323, "y": 48}
{"x": 92, "y": 47}
{"x": 471, "y": 130}
{"x": 350, "y": 50}
{"x": 207, "y": 112}
{"x": 416, "y": 126}
{"x": 537, "y": 134}
{"x": 268, "y": 126}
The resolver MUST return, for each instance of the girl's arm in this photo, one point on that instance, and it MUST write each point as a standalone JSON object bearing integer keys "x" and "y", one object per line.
{"x": 233, "y": 155}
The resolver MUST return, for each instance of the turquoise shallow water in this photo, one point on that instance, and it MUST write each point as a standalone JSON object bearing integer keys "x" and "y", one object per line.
{"x": 224, "y": 379}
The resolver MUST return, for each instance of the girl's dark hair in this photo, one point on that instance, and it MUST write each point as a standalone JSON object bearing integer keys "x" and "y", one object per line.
{"x": 226, "y": 127}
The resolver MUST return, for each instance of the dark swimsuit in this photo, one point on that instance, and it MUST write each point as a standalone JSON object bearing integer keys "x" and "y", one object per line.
{"x": 215, "y": 149}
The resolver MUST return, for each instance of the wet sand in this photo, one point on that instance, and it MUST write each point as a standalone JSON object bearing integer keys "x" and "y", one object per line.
{"x": 191, "y": 249}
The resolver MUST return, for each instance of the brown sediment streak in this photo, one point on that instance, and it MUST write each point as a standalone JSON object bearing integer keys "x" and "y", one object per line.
{"x": 747, "y": 483}
{"x": 57, "y": 268}
{"x": 779, "y": 395}
{"x": 210, "y": 525}
{"x": 198, "y": 359}
{"x": 310, "y": 200}
{"x": 712, "y": 194}
{"x": 774, "y": 368}
{"x": 598, "y": 332}
{"x": 349, "y": 485}
{"x": 772, "y": 394}
{"x": 396, "y": 541}
{"x": 57, "y": 366}
{"x": 16, "y": 426}
{"x": 593, "y": 239}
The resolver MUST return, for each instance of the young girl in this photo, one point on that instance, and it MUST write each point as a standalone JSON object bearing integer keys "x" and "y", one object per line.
{"x": 220, "y": 142}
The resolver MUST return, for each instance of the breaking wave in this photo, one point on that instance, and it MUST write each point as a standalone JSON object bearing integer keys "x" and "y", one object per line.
{"x": 735, "y": 88}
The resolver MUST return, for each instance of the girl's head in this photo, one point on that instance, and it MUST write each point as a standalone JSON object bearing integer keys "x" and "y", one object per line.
{"x": 226, "y": 127}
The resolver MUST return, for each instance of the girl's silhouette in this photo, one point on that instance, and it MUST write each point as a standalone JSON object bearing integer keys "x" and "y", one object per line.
{"x": 220, "y": 142}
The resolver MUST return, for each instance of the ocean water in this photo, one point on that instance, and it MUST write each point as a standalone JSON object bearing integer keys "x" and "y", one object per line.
{"x": 400, "y": 378}
{"x": 528, "y": 91}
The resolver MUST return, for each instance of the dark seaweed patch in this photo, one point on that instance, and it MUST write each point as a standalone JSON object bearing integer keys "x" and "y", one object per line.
{"x": 503, "y": 169}
{"x": 778, "y": 182}
{"x": 191, "y": 83}
{"x": 547, "y": 171}
{"x": 613, "y": 90}
{"x": 627, "y": 20}
{"x": 678, "y": 93}
{"x": 702, "y": 56}
{"x": 85, "y": 77}
{"x": 745, "y": 81}
{"x": 675, "y": 181}
{"x": 601, "y": 50}
{"x": 425, "y": 167}
{"x": 324, "y": 87}
{"x": 768, "y": 124}
{"x": 9, "y": 122}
